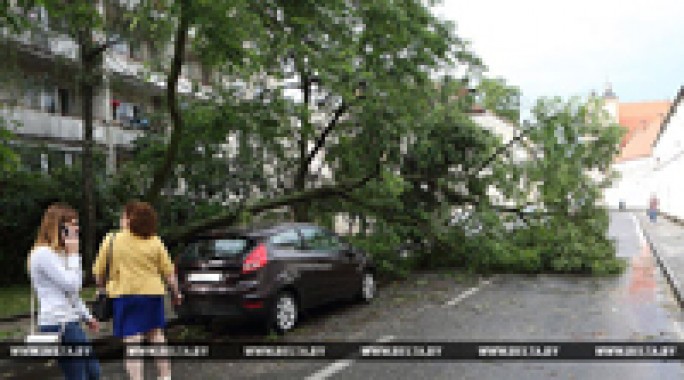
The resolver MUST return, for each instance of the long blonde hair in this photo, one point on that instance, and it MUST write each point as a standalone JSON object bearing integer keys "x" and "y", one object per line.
{"x": 49, "y": 234}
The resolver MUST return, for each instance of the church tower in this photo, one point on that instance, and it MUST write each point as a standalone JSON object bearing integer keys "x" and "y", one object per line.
{"x": 610, "y": 103}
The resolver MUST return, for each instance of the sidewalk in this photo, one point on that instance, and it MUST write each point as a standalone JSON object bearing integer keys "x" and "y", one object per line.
{"x": 666, "y": 239}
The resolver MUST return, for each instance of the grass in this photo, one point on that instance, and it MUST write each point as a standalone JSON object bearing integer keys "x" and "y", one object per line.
{"x": 12, "y": 333}
{"x": 16, "y": 300}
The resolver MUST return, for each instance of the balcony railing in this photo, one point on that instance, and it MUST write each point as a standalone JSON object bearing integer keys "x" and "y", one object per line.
{"x": 49, "y": 126}
{"x": 49, "y": 43}
{"x": 44, "y": 42}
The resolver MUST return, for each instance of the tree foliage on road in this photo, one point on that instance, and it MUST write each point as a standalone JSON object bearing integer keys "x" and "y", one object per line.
{"x": 569, "y": 150}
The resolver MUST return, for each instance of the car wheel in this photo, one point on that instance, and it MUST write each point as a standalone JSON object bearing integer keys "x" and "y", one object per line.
{"x": 284, "y": 313}
{"x": 368, "y": 285}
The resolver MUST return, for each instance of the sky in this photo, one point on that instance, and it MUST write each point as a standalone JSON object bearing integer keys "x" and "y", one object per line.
{"x": 570, "y": 48}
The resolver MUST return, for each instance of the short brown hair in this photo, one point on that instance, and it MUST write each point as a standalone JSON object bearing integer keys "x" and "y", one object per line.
{"x": 142, "y": 218}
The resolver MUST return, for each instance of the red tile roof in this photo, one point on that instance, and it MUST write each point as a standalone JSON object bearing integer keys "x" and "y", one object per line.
{"x": 642, "y": 121}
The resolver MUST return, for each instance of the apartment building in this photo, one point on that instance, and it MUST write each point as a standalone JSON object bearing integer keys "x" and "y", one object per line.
{"x": 39, "y": 94}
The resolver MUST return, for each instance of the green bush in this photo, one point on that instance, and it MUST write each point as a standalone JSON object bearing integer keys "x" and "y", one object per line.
{"x": 23, "y": 198}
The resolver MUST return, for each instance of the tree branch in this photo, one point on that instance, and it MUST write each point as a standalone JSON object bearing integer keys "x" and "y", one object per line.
{"x": 387, "y": 214}
{"x": 229, "y": 217}
{"x": 162, "y": 172}
{"x": 503, "y": 149}
{"x": 300, "y": 180}
{"x": 103, "y": 47}
{"x": 320, "y": 141}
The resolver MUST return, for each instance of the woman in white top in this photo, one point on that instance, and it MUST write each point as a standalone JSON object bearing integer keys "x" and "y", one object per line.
{"x": 55, "y": 270}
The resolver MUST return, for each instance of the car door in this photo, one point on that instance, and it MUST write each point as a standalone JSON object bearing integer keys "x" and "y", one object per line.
{"x": 348, "y": 270}
{"x": 317, "y": 248}
{"x": 294, "y": 265}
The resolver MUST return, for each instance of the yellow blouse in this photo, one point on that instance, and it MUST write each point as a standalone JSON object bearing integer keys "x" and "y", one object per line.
{"x": 137, "y": 265}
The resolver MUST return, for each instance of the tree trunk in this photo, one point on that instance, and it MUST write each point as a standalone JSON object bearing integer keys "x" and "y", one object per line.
{"x": 301, "y": 209}
{"x": 87, "y": 175}
{"x": 161, "y": 174}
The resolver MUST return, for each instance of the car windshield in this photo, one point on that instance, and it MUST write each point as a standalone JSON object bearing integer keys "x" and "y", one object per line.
{"x": 219, "y": 248}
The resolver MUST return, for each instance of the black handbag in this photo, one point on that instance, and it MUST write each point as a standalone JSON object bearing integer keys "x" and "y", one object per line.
{"x": 102, "y": 307}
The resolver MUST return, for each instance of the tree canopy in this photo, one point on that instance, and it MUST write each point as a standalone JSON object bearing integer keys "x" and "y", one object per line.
{"x": 314, "y": 110}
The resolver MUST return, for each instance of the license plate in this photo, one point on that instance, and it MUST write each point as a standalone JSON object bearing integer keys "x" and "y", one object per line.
{"x": 204, "y": 277}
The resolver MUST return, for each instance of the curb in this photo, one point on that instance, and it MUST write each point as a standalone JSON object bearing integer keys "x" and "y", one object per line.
{"x": 669, "y": 274}
{"x": 14, "y": 318}
{"x": 19, "y": 317}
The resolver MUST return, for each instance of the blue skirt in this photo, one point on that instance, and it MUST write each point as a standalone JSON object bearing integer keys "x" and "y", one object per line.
{"x": 135, "y": 314}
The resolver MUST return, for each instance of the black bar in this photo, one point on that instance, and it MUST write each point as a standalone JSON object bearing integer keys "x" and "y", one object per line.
{"x": 423, "y": 351}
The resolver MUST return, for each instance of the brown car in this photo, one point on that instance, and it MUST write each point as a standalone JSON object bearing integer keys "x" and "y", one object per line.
{"x": 270, "y": 273}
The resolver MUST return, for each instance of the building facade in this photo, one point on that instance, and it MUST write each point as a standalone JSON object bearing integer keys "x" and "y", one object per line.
{"x": 668, "y": 161}
{"x": 642, "y": 122}
{"x": 41, "y": 102}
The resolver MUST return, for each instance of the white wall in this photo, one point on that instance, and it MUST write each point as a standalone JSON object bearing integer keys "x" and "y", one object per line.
{"x": 634, "y": 185}
{"x": 668, "y": 175}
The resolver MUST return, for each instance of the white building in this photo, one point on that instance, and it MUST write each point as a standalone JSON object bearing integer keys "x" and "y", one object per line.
{"x": 668, "y": 161}
{"x": 634, "y": 164}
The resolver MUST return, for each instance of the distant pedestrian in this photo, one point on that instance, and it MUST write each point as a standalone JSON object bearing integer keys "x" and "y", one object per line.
{"x": 139, "y": 266}
{"x": 653, "y": 208}
{"x": 55, "y": 269}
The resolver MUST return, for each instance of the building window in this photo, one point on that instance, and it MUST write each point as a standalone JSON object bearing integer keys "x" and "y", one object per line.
{"x": 120, "y": 48}
{"x": 206, "y": 75}
{"x": 55, "y": 160}
{"x": 63, "y": 97}
{"x": 130, "y": 114}
{"x": 136, "y": 52}
{"x": 44, "y": 165}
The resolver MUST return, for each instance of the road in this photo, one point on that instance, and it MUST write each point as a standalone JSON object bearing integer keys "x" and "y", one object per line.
{"x": 637, "y": 305}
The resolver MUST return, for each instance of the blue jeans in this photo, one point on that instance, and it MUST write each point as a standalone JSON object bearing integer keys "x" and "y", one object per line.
{"x": 653, "y": 214}
{"x": 75, "y": 369}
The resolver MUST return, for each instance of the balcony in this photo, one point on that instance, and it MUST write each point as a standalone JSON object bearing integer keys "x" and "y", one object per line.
{"x": 44, "y": 43}
{"x": 55, "y": 127}
{"x": 49, "y": 44}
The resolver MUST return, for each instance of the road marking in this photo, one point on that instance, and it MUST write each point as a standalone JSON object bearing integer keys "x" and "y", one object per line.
{"x": 639, "y": 230}
{"x": 467, "y": 294}
{"x": 340, "y": 365}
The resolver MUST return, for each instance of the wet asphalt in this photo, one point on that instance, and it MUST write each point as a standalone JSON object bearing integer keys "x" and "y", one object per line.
{"x": 635, "y": 306}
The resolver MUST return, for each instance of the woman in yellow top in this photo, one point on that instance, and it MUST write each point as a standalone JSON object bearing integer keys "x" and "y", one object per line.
{"x": 139, "y": 265}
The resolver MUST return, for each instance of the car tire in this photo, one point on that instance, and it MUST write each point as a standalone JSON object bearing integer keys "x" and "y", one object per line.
{"x": 367, "y": 287}
{"x": 284, "y": 313}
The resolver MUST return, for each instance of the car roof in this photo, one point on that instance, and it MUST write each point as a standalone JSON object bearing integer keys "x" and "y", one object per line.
{"x": 254, "y": 231}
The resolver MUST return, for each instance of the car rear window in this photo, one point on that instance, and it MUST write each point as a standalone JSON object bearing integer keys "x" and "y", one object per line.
{"x": 219, "y": 248}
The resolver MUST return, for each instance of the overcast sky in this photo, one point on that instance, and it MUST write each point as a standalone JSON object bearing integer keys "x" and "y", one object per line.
{"x": 571, "y": 47}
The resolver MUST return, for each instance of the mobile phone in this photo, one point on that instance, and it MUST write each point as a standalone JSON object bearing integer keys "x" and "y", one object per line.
{"x": 66, "y": 232}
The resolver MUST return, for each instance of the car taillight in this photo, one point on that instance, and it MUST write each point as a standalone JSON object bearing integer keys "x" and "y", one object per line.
{"x": 256, "y": 259}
